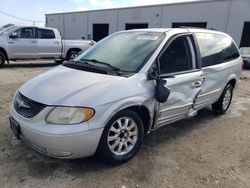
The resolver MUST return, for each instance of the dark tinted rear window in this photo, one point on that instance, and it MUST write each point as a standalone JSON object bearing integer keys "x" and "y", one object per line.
{"x": 45, "y": 34}
{"x": 216, "y": 48}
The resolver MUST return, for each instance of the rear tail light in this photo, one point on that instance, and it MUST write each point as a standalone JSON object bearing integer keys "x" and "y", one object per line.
{"x": 91, "y": 43}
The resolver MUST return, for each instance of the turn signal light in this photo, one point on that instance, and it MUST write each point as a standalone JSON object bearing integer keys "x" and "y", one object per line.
{"x": 91, "y": 43}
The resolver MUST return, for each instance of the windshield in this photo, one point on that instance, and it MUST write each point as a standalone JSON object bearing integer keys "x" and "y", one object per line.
{"x": 126, "y": 51}
{"x": 6, "y": 29}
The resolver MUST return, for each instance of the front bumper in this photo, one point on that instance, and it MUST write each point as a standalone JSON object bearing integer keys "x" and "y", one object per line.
{"x": 63, "y": 146}
{"x": 69, "y": 145}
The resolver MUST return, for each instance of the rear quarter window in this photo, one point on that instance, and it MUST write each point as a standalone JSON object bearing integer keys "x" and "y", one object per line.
{"x": 216, "y": 48}
{"x": 45, "y": 34}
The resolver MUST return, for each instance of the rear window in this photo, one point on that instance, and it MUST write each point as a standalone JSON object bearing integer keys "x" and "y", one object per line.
{"x": 45, "y": 34}
{"x": 216, "y": 48}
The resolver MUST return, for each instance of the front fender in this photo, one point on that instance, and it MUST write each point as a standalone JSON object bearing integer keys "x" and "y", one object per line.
{"x": 104, "y": 114}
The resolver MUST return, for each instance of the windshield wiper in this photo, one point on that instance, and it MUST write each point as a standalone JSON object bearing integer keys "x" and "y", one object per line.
{"x": 102, "y": 63}
{"x": 79, "y": 65}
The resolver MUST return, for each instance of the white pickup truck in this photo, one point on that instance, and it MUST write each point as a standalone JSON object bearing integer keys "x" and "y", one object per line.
{"x": 28, "y": 43}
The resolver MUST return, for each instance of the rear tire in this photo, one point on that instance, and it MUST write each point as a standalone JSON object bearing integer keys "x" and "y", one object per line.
{"x": 121, "y": 138}
{"x": 72, "y": 54}
{"x": 222, "y": 105}
{"x": 59, "y": 61}
{"x": 2, "y": 59}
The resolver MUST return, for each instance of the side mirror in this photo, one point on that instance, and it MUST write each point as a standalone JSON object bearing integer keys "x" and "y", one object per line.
{"x": 13, "y": 35}
{"x": 161, "y": 92}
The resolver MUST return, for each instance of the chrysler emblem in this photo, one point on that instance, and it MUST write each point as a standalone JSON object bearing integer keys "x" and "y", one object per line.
{"x": 21, "y": 104}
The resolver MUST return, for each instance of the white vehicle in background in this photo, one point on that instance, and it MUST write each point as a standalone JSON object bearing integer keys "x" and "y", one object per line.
{"x": 29, "y": 43}
{"x": 245, "y": 53}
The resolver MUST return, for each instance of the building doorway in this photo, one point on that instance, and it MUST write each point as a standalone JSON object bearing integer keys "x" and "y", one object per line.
{"x": 100, "y": 31}
{"x": 189, "y": 24}
{"x": 245, "y": 39}
{"x": 136, "y": 26}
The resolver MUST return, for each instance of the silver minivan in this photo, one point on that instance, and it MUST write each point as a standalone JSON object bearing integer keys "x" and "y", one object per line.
{"x": 128, "y": 84}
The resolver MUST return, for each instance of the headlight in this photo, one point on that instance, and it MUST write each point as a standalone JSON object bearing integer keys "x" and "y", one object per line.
{"x": 69, "y": 115}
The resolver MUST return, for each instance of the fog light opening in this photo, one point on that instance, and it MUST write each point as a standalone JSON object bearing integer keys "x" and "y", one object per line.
{"x": 58, "y": 153}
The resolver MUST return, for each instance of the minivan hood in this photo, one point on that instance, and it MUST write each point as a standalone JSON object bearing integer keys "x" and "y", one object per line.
{"x": 2, "y": 37}
{"x": 59, "y": 85}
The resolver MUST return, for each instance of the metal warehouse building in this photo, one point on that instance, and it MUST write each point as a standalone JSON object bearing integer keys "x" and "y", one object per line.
{"x": 230, "y": 16}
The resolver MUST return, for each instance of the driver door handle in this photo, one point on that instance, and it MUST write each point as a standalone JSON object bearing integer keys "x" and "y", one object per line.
{"x": 196, "y": 84}
{"x": 33, "y": 41}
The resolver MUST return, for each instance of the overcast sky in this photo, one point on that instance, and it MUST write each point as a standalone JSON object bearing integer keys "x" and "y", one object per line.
{"x": 34, "y": 10}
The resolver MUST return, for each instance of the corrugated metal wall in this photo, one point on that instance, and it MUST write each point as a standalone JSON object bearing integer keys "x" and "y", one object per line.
{"x": 150, "y": 15}
{"x": 75, "y": 25}
{"x": 239, "y": 13}
{"x": 106, "y": 17}
{"x": 56, "y": 21}
{"x": 225, "y": 15}
{"x": 214, "y": 13}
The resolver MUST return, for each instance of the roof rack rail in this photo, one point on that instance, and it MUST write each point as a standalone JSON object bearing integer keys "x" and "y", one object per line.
{"x": 189, "y": 27}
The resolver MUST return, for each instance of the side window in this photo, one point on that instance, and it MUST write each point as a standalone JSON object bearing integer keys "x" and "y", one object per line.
{"x": 216, "y": 48}
{"x": 25, "y": 33}
{"x": 45, "y": 34}
{"x": 177, "y": 57}
{"x": 230, "y": 51}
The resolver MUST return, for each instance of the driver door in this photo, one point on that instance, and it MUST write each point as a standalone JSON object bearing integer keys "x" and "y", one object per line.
{"x": 24, "y": 44}
{"x": 178, "y": 67}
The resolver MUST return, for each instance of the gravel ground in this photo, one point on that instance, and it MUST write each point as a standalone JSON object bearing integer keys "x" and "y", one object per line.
{"x": 205, "y": 151}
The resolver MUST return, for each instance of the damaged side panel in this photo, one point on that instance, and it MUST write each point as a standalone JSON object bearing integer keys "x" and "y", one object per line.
{"x": 183, "y": 90}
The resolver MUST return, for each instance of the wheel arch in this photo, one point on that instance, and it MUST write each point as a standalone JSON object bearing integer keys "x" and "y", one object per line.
{"x": 144, "y": 113}
{"x": 5, "y": 53}
{"x": 232, "y": 82}
{"x": 72, "y": 49}
{"x": 144, "y": 109}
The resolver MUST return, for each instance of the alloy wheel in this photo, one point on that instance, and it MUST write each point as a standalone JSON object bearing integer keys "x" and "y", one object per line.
{"x": 227, "y": 99}
{"x": 122, "y": 136}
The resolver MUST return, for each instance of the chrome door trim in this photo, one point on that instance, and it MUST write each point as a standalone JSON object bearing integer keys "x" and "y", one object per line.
{"x": 209, "y": 93}
{"x": 174, "y": 108}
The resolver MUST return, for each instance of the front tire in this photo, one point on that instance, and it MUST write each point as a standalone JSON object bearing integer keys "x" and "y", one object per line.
{"x": 222, "y": 105}
{"x": 122, "y": 137}
{"x": 2, "y": 59}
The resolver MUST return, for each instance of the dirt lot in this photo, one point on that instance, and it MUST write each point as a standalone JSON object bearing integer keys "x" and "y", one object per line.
{"x": 205, "y": 151}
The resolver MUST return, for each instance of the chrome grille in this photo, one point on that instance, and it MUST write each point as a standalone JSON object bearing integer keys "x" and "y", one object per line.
{"x": 27, "y": 107}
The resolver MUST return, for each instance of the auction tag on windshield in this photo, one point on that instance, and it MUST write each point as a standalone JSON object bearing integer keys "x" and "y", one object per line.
{"x": 147, "y": 37}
